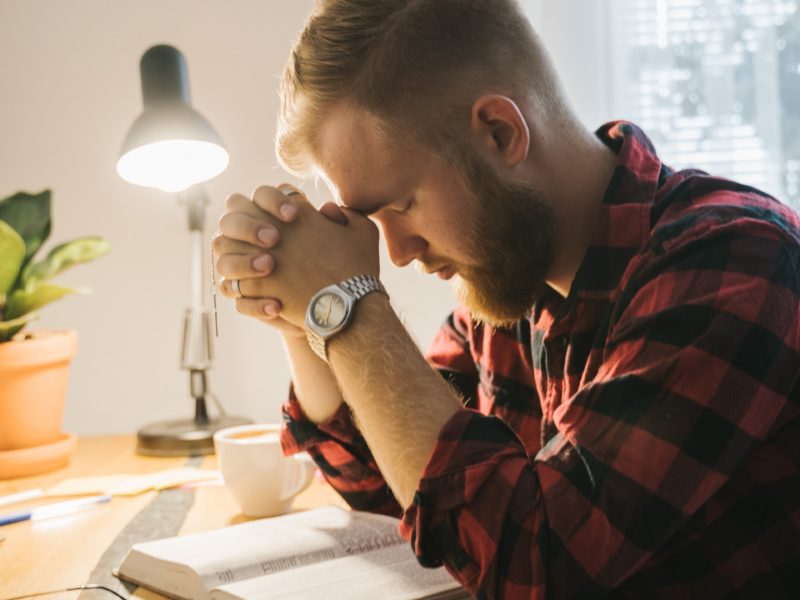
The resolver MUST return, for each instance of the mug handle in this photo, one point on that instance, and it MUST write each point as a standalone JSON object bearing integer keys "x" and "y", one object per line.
{"x": 302, "y": 474}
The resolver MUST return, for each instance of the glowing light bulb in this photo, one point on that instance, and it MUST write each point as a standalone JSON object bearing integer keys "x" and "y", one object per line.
{"x": 173, "y": 165}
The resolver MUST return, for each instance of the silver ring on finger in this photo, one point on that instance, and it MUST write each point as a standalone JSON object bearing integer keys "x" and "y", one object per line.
{"x": 237, "y": 291}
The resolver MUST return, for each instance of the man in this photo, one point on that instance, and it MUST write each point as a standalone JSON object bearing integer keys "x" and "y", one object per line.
{"x": 628, "y": 347}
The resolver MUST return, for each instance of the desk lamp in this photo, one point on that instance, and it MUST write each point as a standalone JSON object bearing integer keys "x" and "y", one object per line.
{"x": 173, "y": 148}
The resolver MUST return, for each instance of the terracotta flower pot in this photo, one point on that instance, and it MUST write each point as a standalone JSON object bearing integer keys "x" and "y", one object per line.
{"x": 34, "y": 370}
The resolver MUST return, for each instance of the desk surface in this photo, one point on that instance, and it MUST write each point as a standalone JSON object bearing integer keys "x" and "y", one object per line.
{"x": 64, "y": 552}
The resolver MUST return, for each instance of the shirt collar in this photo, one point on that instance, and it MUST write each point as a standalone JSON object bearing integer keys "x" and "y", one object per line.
{"x": 624, "y": 217}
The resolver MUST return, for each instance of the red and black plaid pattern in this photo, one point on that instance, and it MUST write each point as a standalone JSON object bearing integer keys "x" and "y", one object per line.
{"x": 640, "y": 438}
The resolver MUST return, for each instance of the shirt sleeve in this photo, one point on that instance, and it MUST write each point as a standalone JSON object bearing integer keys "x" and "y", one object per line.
{"x": 699, "y": 368}
{"x": 342, "y": 455}
{"x": 450, "y": 353}
{"x": 339, "y": 449}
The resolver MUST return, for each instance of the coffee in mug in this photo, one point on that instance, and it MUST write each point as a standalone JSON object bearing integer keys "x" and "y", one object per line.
{"x": 262, "y": 480}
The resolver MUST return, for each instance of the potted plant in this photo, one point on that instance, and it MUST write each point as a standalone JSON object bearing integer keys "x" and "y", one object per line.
{"x": 33, "y": 366}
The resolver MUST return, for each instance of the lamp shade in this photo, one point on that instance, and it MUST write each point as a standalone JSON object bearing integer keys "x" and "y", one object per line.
{"x": 170, "y": 146}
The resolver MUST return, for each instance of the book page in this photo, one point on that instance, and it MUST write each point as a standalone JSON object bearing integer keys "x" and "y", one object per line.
{"x": 391, "y": 573}
{"x": 261, "y": 547}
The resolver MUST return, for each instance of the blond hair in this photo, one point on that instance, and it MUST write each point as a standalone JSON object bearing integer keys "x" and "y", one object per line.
{"x": 417, "y": 65}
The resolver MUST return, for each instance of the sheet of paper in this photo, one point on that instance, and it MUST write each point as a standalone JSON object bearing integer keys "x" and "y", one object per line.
{"x": 178, "y": 477}
{"x": 130, "y": 485}
{"x": 393, "y": 570}
{"x": 161, "y": 480}
{"x": 85, "y": 486}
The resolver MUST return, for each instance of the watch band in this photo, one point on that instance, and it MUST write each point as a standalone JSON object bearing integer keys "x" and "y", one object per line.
{"x": 317, "y": 344}
{"x": 357, "y": 287}
{"x": 361, "y": 285}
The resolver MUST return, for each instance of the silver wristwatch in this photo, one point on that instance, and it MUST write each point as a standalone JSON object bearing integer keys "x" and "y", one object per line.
{"x": 331, "y": 309}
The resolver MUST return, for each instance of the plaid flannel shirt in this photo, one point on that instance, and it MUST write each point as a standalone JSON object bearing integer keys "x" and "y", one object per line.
{"x": 639, "y": 438}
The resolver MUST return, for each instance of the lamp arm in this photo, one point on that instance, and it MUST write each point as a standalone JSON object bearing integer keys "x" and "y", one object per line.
{"x": 197, "y": 351}
{"x": 196, "y": 200}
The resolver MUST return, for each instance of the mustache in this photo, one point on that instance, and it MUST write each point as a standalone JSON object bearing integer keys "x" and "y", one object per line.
{"x": 428, "y": 266}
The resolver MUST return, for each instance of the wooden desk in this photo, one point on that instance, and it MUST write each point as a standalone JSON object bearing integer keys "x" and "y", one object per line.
{"x": 63, "y": 552}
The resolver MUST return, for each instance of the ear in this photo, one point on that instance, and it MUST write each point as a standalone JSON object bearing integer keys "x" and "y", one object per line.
{"x": 500, "y": 128}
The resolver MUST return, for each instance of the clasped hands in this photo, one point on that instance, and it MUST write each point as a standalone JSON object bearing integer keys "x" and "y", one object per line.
{"x": 283, "y": 251}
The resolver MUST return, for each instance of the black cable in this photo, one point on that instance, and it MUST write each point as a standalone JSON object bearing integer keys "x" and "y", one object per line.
{"x": 88, "y": 586}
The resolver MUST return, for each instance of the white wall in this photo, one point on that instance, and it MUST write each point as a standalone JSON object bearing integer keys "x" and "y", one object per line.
{"x": 69, "y": 89}
{"x": 575, "y": 33}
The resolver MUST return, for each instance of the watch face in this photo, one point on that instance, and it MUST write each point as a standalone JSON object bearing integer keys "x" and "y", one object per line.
{"x": 329, "y": 311}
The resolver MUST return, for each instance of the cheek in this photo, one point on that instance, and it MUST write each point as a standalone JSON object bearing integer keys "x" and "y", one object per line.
{"x": 452, "y": 237}
{"x": 456, "y": 223}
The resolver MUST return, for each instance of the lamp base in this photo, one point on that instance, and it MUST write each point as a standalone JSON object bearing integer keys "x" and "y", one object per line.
{"x": 183, "y": 437}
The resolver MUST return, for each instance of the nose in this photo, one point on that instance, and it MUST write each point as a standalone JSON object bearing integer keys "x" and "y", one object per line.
{"x": 403, "y": 247}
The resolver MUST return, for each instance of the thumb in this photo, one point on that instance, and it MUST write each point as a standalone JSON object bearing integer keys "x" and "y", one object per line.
{"x": 334, "y": 212}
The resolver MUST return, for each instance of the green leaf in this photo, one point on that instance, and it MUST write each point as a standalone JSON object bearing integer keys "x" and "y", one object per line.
{"x": 24, "y": 301}
{"x": 8, "y": 329}
{"x": 12, "y": 253}
{"x": 29, "y": 216}
{"x": 64, "y": 256}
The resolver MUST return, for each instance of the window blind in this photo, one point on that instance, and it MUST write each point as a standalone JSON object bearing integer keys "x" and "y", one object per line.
{"x": 714, "y": 83}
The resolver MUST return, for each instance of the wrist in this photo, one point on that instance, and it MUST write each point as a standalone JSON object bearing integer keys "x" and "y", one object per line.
{"x": 297, "y": 334}
{"x": 332, "y": 310}
{"x": 374, "y": 311}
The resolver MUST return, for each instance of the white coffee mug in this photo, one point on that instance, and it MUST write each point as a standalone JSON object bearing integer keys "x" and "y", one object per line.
{"x": 262, "y": 480}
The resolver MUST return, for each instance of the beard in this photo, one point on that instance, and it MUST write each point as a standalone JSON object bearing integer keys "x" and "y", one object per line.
{"x": 512, "y": 239}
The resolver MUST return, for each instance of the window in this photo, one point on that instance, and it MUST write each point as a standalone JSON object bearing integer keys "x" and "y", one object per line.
{"x": 714, "y": 83}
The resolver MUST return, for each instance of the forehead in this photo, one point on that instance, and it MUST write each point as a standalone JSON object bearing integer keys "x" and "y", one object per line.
{"x": 361, "y": 165}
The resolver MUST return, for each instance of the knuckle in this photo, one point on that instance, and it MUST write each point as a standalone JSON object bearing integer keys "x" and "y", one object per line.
{"x": 269, "y": 199}
{"x": 224, "y": 222}
{"x": 262, "y": 192}
{"x": 220, "y": 266}
{"x": 287, "y": 190}
{"x": 232, "y": 201}
{"x": 217, "y": 244}
{"x": 244, "y": 306}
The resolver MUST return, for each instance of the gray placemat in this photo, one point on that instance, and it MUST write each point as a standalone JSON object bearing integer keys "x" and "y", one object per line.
{"x": 161, "y": 518}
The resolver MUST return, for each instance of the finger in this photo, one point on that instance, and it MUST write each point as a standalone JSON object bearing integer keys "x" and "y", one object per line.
{"x": 278, "y": 201}
{"x": 225, "y": 245}
{"x": 334, "y": 212}
{"x": 244, "y": 228}
{"x": 260, "y": 308}
{"x": 226, "y": 289}
{"x": 247, "y": 288}
{"x": 281, "y": 210}
{"x": 240, "y": 203}
{"x": 247, "y": 266}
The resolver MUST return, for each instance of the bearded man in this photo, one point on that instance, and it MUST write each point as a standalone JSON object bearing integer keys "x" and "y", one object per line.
{"x": 615, "y": 408}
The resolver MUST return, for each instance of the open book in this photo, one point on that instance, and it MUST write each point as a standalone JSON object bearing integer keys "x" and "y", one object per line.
{"x": 326, "y": 553}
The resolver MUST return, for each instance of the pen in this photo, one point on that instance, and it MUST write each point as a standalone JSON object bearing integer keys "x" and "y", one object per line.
{"x": 54, "y": 510}
{"x": 20, "y": 497}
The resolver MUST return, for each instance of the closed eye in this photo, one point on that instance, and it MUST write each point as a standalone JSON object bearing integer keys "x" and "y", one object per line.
{"x": 407, "y": 207}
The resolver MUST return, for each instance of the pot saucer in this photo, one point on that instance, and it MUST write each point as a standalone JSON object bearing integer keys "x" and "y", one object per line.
{"x": 38, "y": 459}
